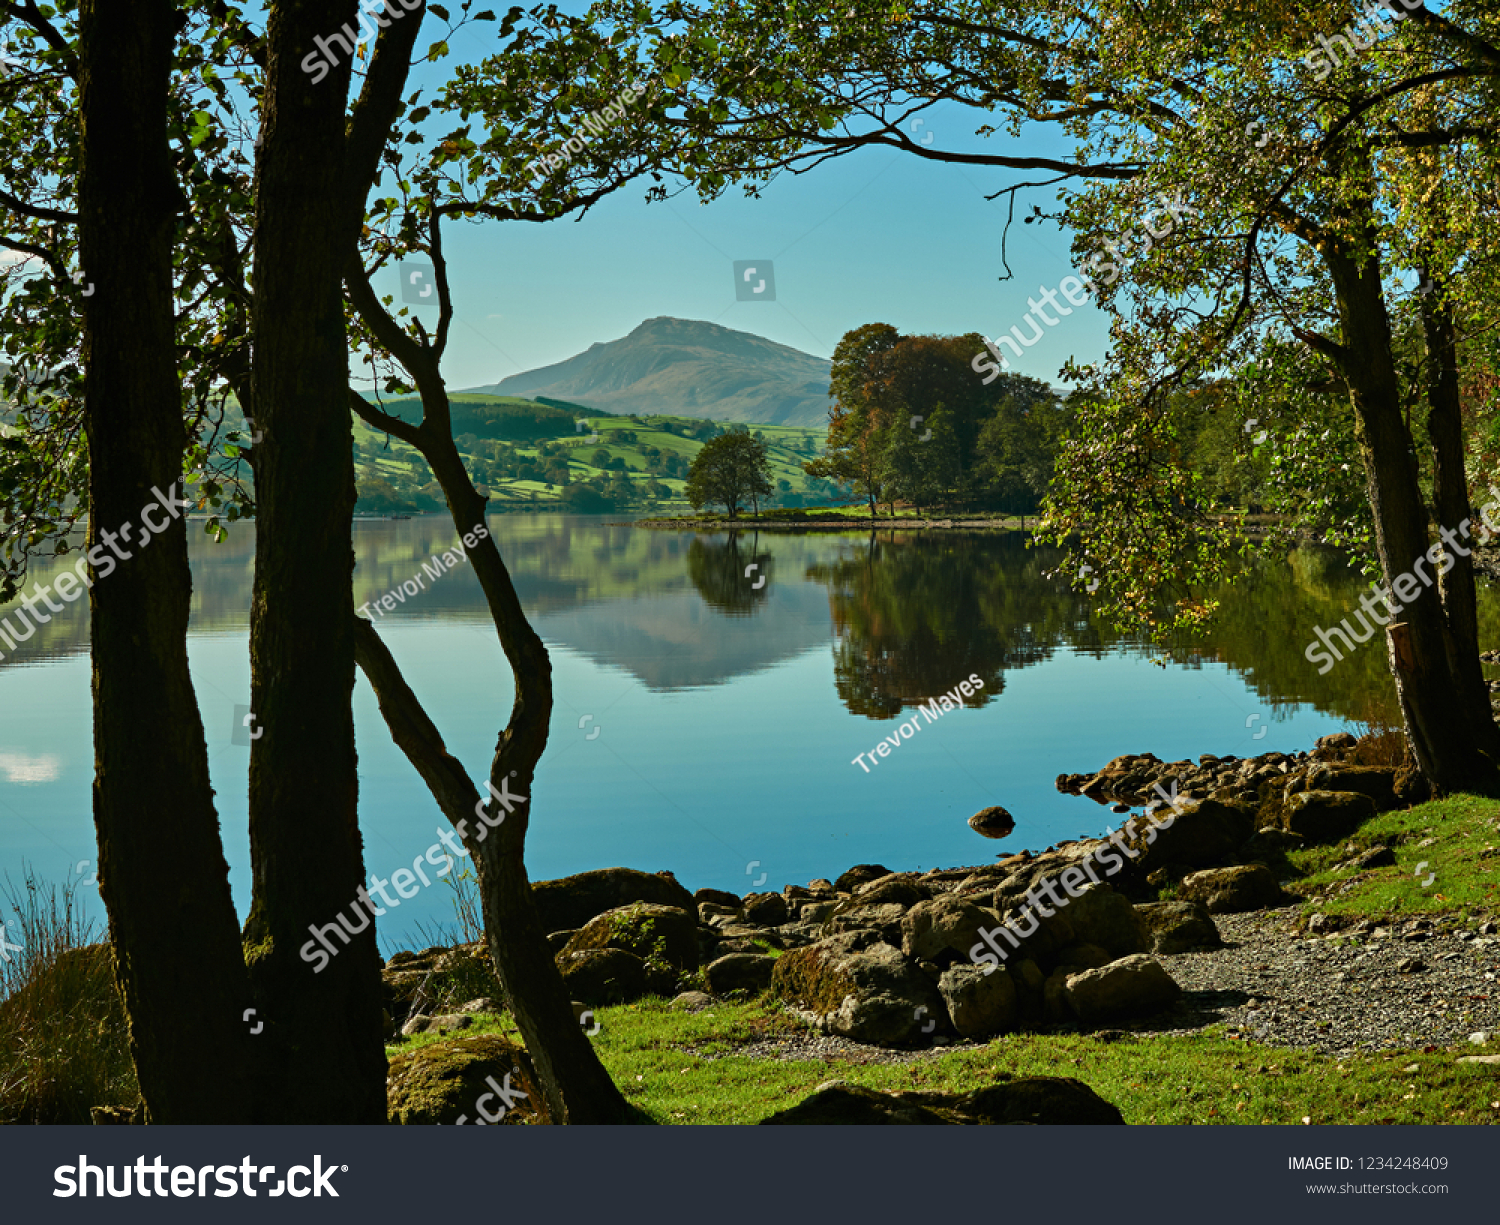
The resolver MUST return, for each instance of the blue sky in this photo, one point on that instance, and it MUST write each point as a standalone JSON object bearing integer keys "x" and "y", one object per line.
{"x": 876, "y": 236}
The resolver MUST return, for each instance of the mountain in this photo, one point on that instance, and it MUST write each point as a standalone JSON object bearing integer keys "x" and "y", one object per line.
{"x": 686, "y": 368}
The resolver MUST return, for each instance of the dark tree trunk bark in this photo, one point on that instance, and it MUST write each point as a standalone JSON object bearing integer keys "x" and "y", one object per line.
{"x": 1420, "y": 646}
{"x": 1451, "y": 503}
{"x": 577, "y": 1086}
{"x": 163, "y": 877}
{"x": 306, "y": 848}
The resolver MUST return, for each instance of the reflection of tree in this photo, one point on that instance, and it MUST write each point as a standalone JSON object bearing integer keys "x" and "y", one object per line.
{"x": 718, "y": 572}
{"x": 912, "y": 618}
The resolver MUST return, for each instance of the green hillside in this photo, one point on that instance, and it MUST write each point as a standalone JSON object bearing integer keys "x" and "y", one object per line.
{"x": 548, "y": 454}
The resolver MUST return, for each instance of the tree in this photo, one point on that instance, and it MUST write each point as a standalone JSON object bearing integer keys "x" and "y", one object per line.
{"x": 856, "y": 422}
{"x": 731, "y": 470}
{"x": 919, "y": 468}
{"x": 1313, "y": 181}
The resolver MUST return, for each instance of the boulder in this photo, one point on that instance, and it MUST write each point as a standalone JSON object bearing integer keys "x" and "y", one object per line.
{"x": 719, "y": 897}
{"x": 610, "y": 976}
{"x": 980, "y": 1005}
{"x": 851, "y": 916}
{"x": 1201, "y": 834}
{"x": 691, "y": 1001}
{"x": 739, "y": 972}
{"x": 1043, "y": 1100}
{"x": 571, "y": 901}
{"x": 902, "y": 888}
{"x": 664, "y": 934}
{"x": 992, "y": 823}
{"x": 1336, "y": 740}
{"x": 1378, "y": 783}
{"x": 1233, "y": 890}
{"x": 1134, "y": 986}
{"x": 859, "y": 874}
{"x": 764, "y": 909}
{"x": 1180, "y": 927}
{"x": 1327, "y": 816}
{"x": 445, "y": 1024}
{"x": 943, "y": 928}
{"x": 857, "y": 986}
{"x": 461, "y": 1080}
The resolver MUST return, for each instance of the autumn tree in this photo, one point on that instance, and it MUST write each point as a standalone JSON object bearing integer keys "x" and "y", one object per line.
{"x": 731, "y": 471}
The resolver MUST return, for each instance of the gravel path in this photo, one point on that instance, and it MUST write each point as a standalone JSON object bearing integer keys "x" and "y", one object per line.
{"x": 1423, "y": 983}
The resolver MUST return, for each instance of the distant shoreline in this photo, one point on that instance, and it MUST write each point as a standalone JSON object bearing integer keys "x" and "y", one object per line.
{"x": 831, "y": 524}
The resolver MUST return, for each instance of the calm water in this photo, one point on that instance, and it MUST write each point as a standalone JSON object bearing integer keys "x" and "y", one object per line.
{"x": 709, "y": 726}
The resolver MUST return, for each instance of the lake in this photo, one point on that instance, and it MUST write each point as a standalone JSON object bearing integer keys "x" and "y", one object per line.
{"x": 710, "y": 721}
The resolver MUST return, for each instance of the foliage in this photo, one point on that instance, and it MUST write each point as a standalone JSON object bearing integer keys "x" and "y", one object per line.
{"x": 731, "y": 471}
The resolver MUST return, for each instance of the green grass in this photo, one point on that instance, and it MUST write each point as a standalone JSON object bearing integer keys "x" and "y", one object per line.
{"x": 680, "y": 1067}
{"x": 1466, "y": 880}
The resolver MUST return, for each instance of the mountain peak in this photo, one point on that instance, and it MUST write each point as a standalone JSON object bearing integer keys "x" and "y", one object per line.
{"x": 689, "y": 368}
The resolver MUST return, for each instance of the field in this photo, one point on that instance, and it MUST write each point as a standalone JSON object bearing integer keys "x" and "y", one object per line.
{"x": 534, "y": 455}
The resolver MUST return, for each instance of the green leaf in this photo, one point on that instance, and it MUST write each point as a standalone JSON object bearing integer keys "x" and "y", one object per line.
{"x": 439, "y": 11}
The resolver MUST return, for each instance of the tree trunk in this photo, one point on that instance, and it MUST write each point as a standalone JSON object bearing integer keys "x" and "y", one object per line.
{"x": 305, "y": 843}
{"x": 1451, "y": 502}
{"x": 1420, "y": 646}
{"x": 163, "y": 877}
{"x": 576, "y": 1084}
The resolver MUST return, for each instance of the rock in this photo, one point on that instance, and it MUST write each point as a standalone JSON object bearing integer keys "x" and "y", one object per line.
{"x": 850, "y": 916}
{"x": 483, "y": 1004}
{"x": 943, "y": 928}
{"x": 610, "y": 976}
{"x": 858, "y": 987}
{"x": 1180, "y": 927}
{"x": 764, "y": 909}
{"x": 1082, "y": 956}
{"x": 1411, "y": 965}
{"x": 461, "y": 1080}
{"x": 1479, "y": 1059}
{"x": 860, "y": 874}
{"x": 1233, "y": 890}
{"x": 1097, "y": 915}
{"x": 1044, "y": 1100}
{"x": 719, "y": 897}
{"x": 117, "y": 1116}
{"x": 1410, "y": 787}
{"x": 571, "y": 901}
{"x": 691, "y": 1001}
{"x": 739, "y": 972}
{"x": 665, "y": 934}
{"x": 902, "y": 888}
{"x": 1327, "y": 816}
{"x": 1134, "y": 986}
{"x": 1337, "y": 740}
{"x": 992, "y": 823}
{"x": 1375, "y": 857}
{"x": 980, "y": 1005}
{"x": 446, "y": 1024}
{"x": 1378, "y": 783}
{"x": 1200, "y": 834}
{"x": 1055, "y": 1005}
{"x": 557, "y": 941}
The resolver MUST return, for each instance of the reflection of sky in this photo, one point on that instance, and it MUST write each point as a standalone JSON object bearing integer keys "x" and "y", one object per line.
{"x": 722, "y": 748}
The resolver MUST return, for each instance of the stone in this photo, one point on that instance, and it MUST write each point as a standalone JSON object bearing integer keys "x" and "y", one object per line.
{"x": 943, "y": 928}
{"x": 571, "y": 901}
{"x": 860, "y": 874}
{"x": 979, "y": 1005}
{"x": 857, "y": 986}
{"x": 453, "y": 1081}
{"x": 1479, "y": 1059}
{"x": 709, "y": 911}
{"x": 483, "y": 1004}
{"x": 1200, "y": 834}
{"x": 1375, "y": 857}
{"x": 610, "y": 976}
{"x": 1233, "y": 890}
{"x": 1180, "y": 927}
{"x": 764, "y": 909}
{"x": 1133, "y": 986}
{"x": 739, "y": 972}
{"x": 1043, "y": 1100}
{"x": 1336, "y": 740}
{"x": 1327, "y": 816}
{"x": 557, "y": 941}
{"x": 902, "y": 888}
{"x": 663, "y": 934}
{"x": 691, "y": 1001}
{"x": 851, "y": 916}
{"x": 992, "y": 822}
{"x": 719, "y": 897}
{"x": 1377, "y": 783}
{"x": 447, "y": 1023}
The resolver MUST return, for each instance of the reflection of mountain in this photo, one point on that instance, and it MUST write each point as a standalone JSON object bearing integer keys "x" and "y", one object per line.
{"x": 674, "y": 642}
